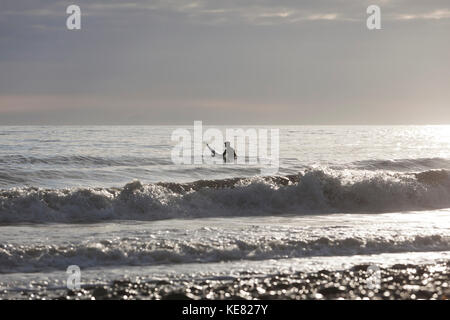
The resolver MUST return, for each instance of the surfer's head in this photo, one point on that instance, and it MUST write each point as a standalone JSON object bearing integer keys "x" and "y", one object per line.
{"x": 227, "y": 144}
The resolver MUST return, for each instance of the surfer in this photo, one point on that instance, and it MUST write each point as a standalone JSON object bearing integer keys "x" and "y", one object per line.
{"x": 228, "y": 155}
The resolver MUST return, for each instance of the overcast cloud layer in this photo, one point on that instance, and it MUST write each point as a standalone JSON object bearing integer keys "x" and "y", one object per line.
{"x": 225, "y": 62}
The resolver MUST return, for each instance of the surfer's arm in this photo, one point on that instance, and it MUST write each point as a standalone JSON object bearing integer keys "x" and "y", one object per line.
{"x": 213, "y": 152}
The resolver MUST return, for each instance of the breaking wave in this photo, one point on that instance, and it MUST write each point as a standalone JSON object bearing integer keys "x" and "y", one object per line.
{"x": 313, "y": 191}
{"x": 139, "y": 252}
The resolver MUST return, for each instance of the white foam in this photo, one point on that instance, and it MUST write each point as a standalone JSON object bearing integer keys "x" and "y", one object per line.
{"x": 315, "y": 191}
{"x": 144, "y": 251}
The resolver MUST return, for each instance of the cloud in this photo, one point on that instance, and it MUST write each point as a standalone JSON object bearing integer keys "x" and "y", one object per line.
{"x": 238, "y": 11}
{"x": 329, "y": 16}
{"x": 171, "y": 60}
{"x": 435, "y": 15}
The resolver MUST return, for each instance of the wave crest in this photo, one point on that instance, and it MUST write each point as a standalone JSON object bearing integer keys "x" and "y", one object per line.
{"x": 313, "y": 191}
{"x": 139, "y": 252}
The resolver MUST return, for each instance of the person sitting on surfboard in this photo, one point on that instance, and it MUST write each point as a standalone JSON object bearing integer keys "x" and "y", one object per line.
{"x": 227, "y": 153}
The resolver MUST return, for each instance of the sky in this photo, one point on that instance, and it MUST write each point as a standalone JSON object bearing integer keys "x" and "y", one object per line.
{"x": 224, "y": 62}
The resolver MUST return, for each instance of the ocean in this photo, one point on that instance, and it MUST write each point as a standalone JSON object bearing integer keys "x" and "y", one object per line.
{"x": 110, "y": 200}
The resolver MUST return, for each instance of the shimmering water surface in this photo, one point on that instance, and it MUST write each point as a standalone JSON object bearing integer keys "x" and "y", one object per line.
{"x": 110, "y": 200}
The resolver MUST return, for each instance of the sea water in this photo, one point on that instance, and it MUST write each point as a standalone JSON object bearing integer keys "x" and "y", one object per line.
{"x": 110, "y": 200}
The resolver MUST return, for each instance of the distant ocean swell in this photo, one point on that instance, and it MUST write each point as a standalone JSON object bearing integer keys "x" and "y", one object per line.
{"x": 138, "y": 252}
{"x": 313, "y": 191}
{"x": 62, "y": 171}
{"x": 78, "y": 160}
{"x": 419, "y": 164}
{"x": 97, "y": 161}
